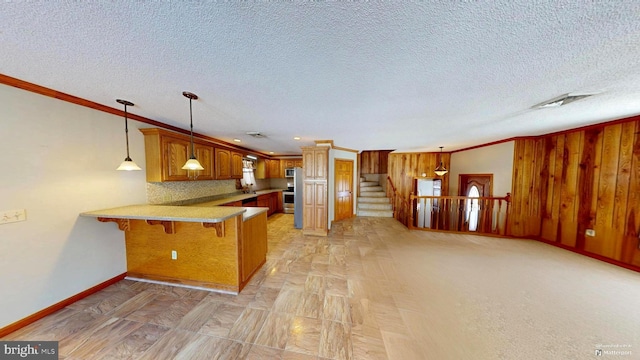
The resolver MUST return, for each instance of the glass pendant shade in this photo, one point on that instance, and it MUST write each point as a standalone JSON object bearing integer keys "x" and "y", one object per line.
{"x": 440, "y": 170}
{"x": 192, "y": 164}
{"x": 127, "y": 164}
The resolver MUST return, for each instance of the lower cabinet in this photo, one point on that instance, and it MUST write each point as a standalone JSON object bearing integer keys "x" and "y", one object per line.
{"x": 314, "y": 214}
{"x": 253, "y": 247}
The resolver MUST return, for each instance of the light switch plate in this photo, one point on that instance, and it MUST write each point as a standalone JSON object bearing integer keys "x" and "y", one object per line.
{"x": 174, "y": 255}
{"x": 10, "y": 216}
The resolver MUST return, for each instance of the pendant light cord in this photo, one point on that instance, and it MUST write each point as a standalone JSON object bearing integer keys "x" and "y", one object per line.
{"x": 126, "y": 130}
{"x": 191, "y": 122}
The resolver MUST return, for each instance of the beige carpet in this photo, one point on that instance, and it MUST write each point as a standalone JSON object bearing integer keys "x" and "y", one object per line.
{"x": 488, "y": 298}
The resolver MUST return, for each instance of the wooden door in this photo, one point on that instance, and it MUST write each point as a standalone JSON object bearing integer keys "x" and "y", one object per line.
{"x": 477, "y": 213}
{"x": 344, "y": 189}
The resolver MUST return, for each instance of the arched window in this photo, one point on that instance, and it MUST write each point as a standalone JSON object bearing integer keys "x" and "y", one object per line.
{"x": 472, "y": 208}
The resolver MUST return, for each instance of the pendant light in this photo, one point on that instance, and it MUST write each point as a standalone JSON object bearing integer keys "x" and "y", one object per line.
{"x": 127, "y": 164}
{"x": 441, "y": 170}
{"x": 192, "y": 163}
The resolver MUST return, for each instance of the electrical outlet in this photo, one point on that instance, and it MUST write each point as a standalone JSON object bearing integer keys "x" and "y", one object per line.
{"x": 10, "y": 216}
{"x": 174, "y": 255}
{"x": 590, "y": 232}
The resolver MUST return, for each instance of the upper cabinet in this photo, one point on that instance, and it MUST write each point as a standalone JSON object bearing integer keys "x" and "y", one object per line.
{"x": 315, "y": 160}
{"x": 166, "y": 152}
{"x": 269, "y": 169}
{"x": 228, "y": 164}
{"x": 236, "y": 165}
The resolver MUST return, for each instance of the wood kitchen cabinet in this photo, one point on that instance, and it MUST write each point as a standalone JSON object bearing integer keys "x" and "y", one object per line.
{"x": 314, "y": 192}
{"x": 167, "y": 152}
{"x": 274, "y": 169}
{"x": 228, "y": 164}
{"x": 175, "y": 153}
{"x": 204, "y": 154}
{"x": 223, "y": 164}
{"x": 288, "y": 164}
{"x": 236, "y": 165}
{"x": 268, "y": 169}
{"x": 314, "y": 212}
{"x": 315, "y": 162}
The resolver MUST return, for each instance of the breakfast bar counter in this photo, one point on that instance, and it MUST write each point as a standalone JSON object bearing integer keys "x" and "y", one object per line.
{"x": 212, "y": 247}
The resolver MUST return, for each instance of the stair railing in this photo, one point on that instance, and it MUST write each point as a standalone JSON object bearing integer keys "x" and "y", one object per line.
{"x": 401, "y": 206}
{"x": 484, "y": 215}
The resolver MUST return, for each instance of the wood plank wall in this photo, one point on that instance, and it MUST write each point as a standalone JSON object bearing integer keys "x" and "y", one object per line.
{"x": 564, "y": 184}
{"x": 374, "y": 162}
{"x": 403, "y": 168}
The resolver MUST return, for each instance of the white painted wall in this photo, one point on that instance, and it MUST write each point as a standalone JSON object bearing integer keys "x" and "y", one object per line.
{"x": 58, "y": 160}
{"x": 494, "y": 159}
{"x": 331, "y": 181}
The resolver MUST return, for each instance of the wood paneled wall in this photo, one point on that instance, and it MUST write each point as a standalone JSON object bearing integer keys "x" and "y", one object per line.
{"x": 405, "y": 167}
{"x": 565, "y": 184}
{"x": 374, "y": 162}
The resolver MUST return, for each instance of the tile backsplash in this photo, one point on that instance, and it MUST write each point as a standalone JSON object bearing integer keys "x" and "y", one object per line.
{"x": 180, "y": 192}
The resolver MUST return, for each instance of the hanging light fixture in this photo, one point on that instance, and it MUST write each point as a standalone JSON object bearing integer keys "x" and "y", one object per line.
{"x": 127, "y": 164}
{"x": 441, "y": 170}
{"x": 192, "y": 163}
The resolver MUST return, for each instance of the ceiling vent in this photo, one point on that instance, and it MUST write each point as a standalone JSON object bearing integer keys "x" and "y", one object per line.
{"x": 560, "y": 100}
{"x": 255, "y": 134}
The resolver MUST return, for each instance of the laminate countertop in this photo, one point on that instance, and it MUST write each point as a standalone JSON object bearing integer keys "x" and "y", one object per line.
{"x": 234, "y": 198}
{"x": 210, "y": 214}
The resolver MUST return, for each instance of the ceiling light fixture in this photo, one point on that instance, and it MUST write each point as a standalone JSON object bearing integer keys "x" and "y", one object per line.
{"x": 560, "y": 100}
{"x": 192, "y": 163}
{"x": 127, "y": 164}
{"x": 296, "y": 138}
{"x": 237, "y": 140}
{"x": 441, "y": 170}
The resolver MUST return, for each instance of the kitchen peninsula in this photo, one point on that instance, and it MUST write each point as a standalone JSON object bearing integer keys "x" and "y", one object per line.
{"x": 212, "y": 247}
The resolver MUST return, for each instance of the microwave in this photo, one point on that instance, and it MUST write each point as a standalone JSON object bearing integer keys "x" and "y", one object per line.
{"x": 289, "y": 172}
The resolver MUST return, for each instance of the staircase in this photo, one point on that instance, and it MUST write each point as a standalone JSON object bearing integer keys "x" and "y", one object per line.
{"x": 373, "y": 201}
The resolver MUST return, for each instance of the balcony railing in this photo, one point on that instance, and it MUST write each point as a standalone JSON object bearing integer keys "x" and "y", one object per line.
{"x": 484, "y": 215}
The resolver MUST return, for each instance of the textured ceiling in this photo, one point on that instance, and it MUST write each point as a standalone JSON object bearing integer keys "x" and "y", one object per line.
{"x": 368, "y": 75}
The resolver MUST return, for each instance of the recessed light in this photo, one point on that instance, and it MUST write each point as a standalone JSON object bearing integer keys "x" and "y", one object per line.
{"x": 297, "y": 138}
{"x": 237, "y": 140}
{"x": 271, "y": 152}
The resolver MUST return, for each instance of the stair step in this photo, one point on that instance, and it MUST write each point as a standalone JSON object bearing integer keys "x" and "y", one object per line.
{"x": 375, "y": 213}
{"x": 374, "y": 206}
{"x": 373, "y": 200}
{"x": 368, "y": 184}
{"x": 372, "y": 194}
{"x": 371, "y": 188}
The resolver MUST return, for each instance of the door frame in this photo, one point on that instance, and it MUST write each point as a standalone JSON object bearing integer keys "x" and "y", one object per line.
{"x": 487, "y": 218}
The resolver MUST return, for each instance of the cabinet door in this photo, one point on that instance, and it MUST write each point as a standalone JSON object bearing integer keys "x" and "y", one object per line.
{"x": 309, "y": 164}
{"x": 308, "y": 206}
{"x": 274, "y": 169}
{"x": 297, "y": 163}
{"x": 320, "y": 207}
{"x": 321, "y": 163}
{"x": 175, "y": 153}
{"x": 223, "y": 164}
{"x": 204, "y": 154}
{"x": 236, "y": 165}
